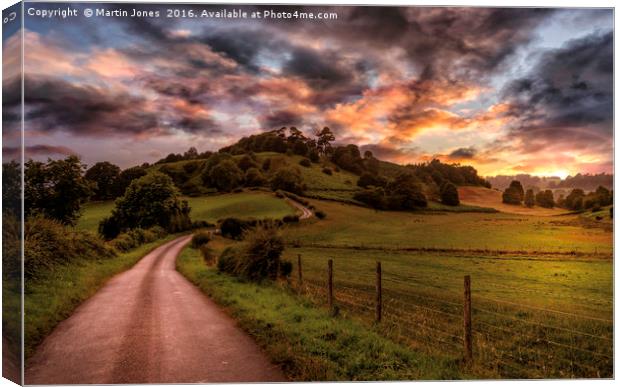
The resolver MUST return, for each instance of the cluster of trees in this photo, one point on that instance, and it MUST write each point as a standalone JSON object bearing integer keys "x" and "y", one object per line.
{"x": 403, "y": 193}
{"x": 190, "y": 154}
{"x": 279, "y": 141}
{"x": 109, "y": 182}
{"x": 576, "y": 200}
{"x": 587, "y": 182}
{"x": 152, "y": 200}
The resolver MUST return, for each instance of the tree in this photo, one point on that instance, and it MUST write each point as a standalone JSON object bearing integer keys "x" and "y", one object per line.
{"x": 254, "y": 178}
{"x": 545, "y": 199}
{"x": 368, "y": 179}
{"x": 287, "y": 179}
{"x": 529, "y": 200}
{"x": 246, "y": 162}
{"x": 449, "y": 194}
{"x": 11, "y": 188}
{"x": 105, "y": 175}
{"x": 56, "y": 189}
{"x": 152, "y": 200}
{"x": 191, "y": 154}
{"x": 514, "y": 194}
{"x": 324, "y": 139}
{"x": 127, "y": 176}
{"x": 405, "y": 193}
{"x": 226, "y": 176}
{"x": 574, "y": 200}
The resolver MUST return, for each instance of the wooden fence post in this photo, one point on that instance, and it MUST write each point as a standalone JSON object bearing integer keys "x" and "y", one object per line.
{"x": 330, "y": 285}
{"x": 467, "y": 343}
{"x": 299, "y": 268}
{"x": 378, "y": 291}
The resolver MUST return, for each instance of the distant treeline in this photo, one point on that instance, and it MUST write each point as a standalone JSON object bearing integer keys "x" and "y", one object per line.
{"x": 586, "y": 182}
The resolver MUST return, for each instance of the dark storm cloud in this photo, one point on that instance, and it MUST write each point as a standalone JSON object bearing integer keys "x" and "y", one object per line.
{"x": 569, "y": 97}
{"x": 54, "y": 104}
{"x": 463, "y": 153}
{"x": 37, "y": 150}
{"x": 280, "y": 118}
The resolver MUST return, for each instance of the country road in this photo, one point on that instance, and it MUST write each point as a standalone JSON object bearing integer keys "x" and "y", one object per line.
{"x": 306, "y": 213}
{"x": 149, "y": 325}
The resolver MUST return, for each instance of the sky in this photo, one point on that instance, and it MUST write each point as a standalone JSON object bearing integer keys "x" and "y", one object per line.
{"x": 506, "y": 90}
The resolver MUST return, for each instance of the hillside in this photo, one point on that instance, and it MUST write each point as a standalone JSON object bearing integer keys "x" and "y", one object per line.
{"x": 485, "y": 197}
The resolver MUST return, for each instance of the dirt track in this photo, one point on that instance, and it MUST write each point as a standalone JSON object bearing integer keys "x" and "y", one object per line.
{"x": 306, "y": 213}
{"x": 149, "y": 325}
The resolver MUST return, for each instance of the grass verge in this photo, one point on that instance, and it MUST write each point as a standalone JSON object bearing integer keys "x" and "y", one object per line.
{"x": 52, "y": 299}
{"x": 307, "y": 343}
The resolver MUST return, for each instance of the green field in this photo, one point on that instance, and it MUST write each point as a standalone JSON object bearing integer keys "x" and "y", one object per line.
{"x": 353, "y": 226}
{"x": 546, "y": 317}
{"x": 257, "y": 205}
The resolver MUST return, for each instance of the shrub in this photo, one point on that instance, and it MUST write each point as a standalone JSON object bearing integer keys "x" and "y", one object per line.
{"x": 286, "y": 268}
{"x": 327, "y": 171}
{"x": 47, "y": 243}
{"x": 291, "y": 219}
{"x": 227, "y": 262}
{"x": 320, "y": 214}
{"x": 369, "y": 179}
{"x": 200, "y": 238}
{"x": 305, "y": 163}
{"x": 529, "y": 200}
{"x": 374, "y": 197}
{"x": 514, "y": 194}
{"x": 207, "y": 254}
{"x": 226, "y": 176}
{"x": 545, "y": 199}
{"x": 232, "y": 228}
{"x": 254, "y": 178}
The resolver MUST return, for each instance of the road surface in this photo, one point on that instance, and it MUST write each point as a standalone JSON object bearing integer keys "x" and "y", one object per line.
{"x": 149, "y": 325}
{"x": 305, "y": 212}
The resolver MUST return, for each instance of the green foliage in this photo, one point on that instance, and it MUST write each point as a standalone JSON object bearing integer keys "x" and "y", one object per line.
{"x": 151, "y": 200}
{"x": 127, "y": 176}
{"x": 449, "y": 194}
{"x": 545, "y": 199}
{"x": 368, "y": 179}
{"x": 48, "y": 243}
{"x": 136, "y": 237}
{"x": 327, "y": 171}
{"x": 226, "y": 176}
{"x": 56, "y": 189}
{"x": 349, "y": 158}
{"x": 529, "y": 200}
{"x": 233, "y": 228}
{"x": 246, "y": 162}
{"x": 514, "y": 194}
{"x": 200, "y": 238}
{"x": 287, "y": 179}
{"x": 105, "y": 177}
{"x": 305, "y": 163}
{"x": 254, "y": 178}
{"x": 11, "y": 246}
{"x": 11, "y": 188}
{"x": 574, "y": 200}
{"x": 257, "y": 258}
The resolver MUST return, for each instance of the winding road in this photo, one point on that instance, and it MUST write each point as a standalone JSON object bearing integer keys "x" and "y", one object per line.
{"x": 306, "y": 213}
{"x": 150, "y": 325}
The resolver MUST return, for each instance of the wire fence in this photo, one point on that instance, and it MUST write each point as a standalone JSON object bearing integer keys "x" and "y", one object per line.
{"x": 507, "y": 339}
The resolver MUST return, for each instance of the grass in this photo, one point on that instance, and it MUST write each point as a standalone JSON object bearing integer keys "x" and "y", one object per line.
{"x": 50, "y": 300}
{"x": 353, "y": 226}
{"x": 93, "y": 213}
{"x": 533, "y": 317}
{"x": 256, "y": 205}
{"x": 307, "y": 343}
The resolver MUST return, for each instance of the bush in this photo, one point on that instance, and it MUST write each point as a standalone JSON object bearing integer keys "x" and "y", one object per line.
{"x": 200, "y": 238}
{"x": 258, "y": 258}
{"x": 286, "y": 268}
{"x": 232, "y": 228}
{"x": 291, "y": 219}
{"x": 226, "y": 176}
{"x": 305, "y": 163}
{"x": 201, "y": 224}
{"x": 207, "y": 254}
{"x": 47, "y": 243}
{"x": 327, "y": 171}
{"x": 320, "y": 214}
{"x": 254, "y": 178}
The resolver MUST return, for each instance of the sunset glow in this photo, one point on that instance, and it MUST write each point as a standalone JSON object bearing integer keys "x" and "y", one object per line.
{"x": 464, "y": 85}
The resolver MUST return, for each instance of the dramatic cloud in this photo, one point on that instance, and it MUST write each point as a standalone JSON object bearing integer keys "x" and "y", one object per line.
{"x": 498, "y": 88}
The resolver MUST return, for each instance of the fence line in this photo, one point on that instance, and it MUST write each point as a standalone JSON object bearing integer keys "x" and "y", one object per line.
{"x": 395, "y": 306}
